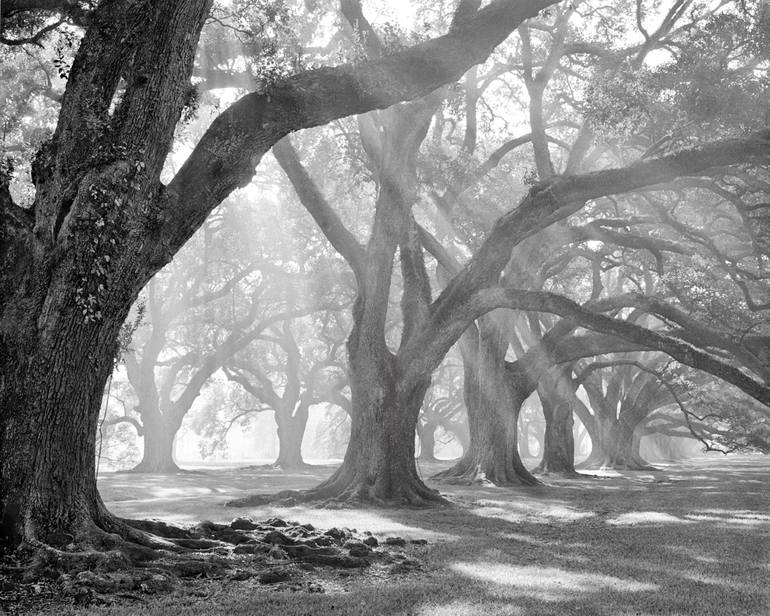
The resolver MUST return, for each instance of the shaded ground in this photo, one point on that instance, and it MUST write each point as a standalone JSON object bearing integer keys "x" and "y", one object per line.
{"x": 691, "y": 539}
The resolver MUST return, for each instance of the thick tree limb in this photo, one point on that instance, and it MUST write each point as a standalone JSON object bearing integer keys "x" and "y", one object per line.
{"x": 343, "y": 241}
{"x": 70, "y": 8}
{"x": 693, "y": 329}
{"x": 226, "y": 156}
{"x": 489, "y": 299}
{"x": 126, "y": 419}
{"x": 547, "y": 204}
{"x": 455, "y": 307}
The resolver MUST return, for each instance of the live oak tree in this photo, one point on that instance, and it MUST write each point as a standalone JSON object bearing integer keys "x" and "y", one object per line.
{"x": 286, "y": 372}
{"x": 222, "y": 293}
{"x": 102, "y": 223}
{"x": 443, "y": 409}
{"x": 435, "y": 334}
{"x": 621, "y": 397}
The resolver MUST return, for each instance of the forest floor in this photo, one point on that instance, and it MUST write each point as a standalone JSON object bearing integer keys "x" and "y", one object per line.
{"x": 692, "y": 538}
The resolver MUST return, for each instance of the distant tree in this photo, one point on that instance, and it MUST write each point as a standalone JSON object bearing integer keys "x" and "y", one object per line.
{"x": 286, "y": 376}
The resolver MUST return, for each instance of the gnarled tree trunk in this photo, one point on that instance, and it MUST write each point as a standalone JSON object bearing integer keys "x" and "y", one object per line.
{"x": 493, "y": 402}
{"x": 556, "y": 394}
{"x": 67, "y": 287}
{"x": 614, "y": 446}
{"x": 291, "y": 431}
{"x": 103, "y": 224}
{"x": 426, "y": 431}
{"x": 159, "y": 436}
{"x": 379, "y": 464}
{"x": 49, "y": 418}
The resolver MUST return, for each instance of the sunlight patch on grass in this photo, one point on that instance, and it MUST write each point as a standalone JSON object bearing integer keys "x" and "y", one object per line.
{"x": 467, "y": 608}
{"x": 547, "y": 583}
{"x": 738, "y": 521}
{"x": 693, "y": 554}
{"x": 376, "y": 521}
{"x": 737, "y": 513}
{"x": 521, "y": 512}
{"x": 526, "y": 539}
{"x": 634, "y": 518}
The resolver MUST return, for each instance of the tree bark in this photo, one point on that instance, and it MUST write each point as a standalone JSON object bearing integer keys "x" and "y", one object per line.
{"x": 291, "y": 431}
{"x": 379, "y": 464}
{"x": 556, "y": 393}
{"x": 159, "y": 436}
{"x": 558, "y": 442}
{"x": 69, "y": 277}
{"x": 493, "y": 404}
{"x": 614, "y": 447}
{"x": 48, "y": 486}
{"x": 427, "y": 434}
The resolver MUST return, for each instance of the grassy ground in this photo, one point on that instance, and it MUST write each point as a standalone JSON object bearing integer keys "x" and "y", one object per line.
{"x": 693, "y": 538}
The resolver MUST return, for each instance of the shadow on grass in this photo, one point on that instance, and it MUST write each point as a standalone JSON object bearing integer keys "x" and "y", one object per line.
{"x": 697, "y": 542}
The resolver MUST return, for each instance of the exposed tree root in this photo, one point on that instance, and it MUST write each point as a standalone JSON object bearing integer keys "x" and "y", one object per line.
{"x": 142, "y": 556}
{"x": 560, "y": 474}
{"x": 346, "y": 488}
{"x": 469, "y": 471}
{"x": 290, "y": 466}
{"x": 607, "y": 464}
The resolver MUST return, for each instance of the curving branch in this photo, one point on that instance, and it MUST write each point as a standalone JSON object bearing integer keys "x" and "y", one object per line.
{"x": 686, "y": 413}
{"x": 459, "y": 303}
{"x": 343, "y": 241}
{"x": 226, "y": 156}
{"x": 684, "y": 352}
{"x": 113, "y": 421}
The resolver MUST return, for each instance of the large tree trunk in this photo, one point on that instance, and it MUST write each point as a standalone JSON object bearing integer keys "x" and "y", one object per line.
{"x": 614, "y": 447}
{"x": 159, "y": 436}
{"x": 291, "y": 431}
{"x": 493, "y": 404}
{"x": 68, "y": 284}
{"x": 556, "y": 393}
{"x": 558, "y": 441}
{"x": 49, "y": 418}
{"x": 102, "y": 224}
{"x": 427, "y": 434}
{"x": 379, "y": 464}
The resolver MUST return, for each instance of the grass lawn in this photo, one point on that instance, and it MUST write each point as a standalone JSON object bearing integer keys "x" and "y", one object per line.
{"x": 693, "y": 538}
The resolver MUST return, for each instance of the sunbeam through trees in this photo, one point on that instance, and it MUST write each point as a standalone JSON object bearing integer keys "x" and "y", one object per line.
{"x": 451, "y": 295}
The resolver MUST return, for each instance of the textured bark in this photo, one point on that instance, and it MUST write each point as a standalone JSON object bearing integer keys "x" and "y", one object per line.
{"x": 159, "y": 434}
{"x": 427, "y": 434}
{"x": 379, "y": 464}
{"x": 291, "y": 431}
{"x": 67, "y": 282}
{"x": 493, "y": 402}
{"x": 47, "y": 468}
{"x": 558, "y": 442}
{"x": 556, "y": 397}
{"x": 103, "y": 166}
